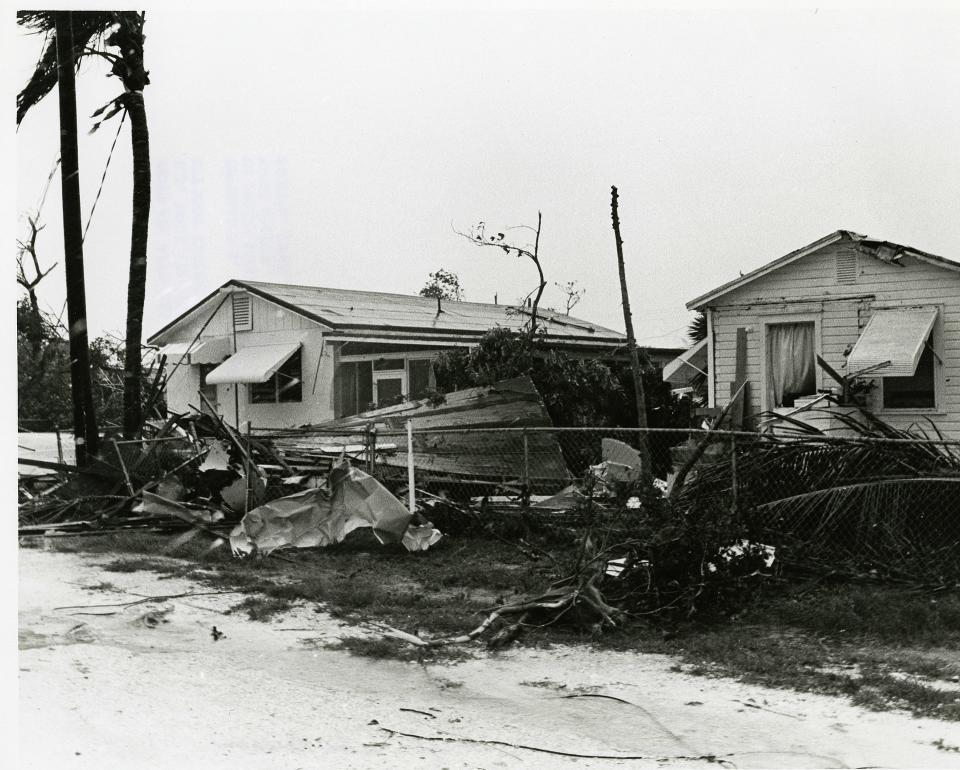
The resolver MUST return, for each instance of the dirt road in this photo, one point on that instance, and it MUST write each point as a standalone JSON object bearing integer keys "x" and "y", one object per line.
{"x": 128, "y": 689}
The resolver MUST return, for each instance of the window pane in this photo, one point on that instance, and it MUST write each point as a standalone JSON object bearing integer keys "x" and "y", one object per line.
{"x": 917, "y": 392}
{"x": 389, "y": 391}
{"x": 264, "y": 392}
{"x": 289, "y": 380}
{"x": 364, "y": 386}
{"x": 347, "y": 389}
{"x": 387, "y": 364}
{"x": 419, "y": 377}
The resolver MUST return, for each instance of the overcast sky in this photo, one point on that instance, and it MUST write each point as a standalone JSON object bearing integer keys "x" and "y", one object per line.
{"x": 340, "y": 148}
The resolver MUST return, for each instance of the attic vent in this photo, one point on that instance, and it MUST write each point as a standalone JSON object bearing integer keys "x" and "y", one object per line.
{"x": 242, "y": 313}
{"x": 847, "y": 266}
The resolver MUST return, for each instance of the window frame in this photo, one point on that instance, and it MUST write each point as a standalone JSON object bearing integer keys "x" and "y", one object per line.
{"x": 936, "y": 335}
{"x": 297, "y": 359}
{"x": 778, "y": 319}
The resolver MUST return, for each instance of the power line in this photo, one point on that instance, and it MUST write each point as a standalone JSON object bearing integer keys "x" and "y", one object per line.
{"x": 103, "y": 178}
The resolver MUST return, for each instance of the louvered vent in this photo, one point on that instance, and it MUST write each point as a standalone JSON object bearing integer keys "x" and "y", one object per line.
{"x": 847, "y": 266}
{"x": 242, "y": 313}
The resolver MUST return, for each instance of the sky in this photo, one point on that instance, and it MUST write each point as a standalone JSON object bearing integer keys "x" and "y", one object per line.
{"x": 345, "y": 146}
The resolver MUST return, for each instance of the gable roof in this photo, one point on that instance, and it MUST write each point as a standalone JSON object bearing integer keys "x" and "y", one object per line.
{"x": 874, "y": 247}
{"x": 346, "y": 310}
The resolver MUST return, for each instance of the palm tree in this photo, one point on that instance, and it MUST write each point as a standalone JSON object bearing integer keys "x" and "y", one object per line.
{"x": 93, "y": 32}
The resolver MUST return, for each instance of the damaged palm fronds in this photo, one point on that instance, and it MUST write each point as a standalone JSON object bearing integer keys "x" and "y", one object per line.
{"x": 753, "y": 511}
{"x": 879, "y": 499}
{"x": 186, "y": 471}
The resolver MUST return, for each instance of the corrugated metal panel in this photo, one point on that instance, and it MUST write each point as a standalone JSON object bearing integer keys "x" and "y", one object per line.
{"x": 897, "y": 336}
{"x": 345, "y": 309}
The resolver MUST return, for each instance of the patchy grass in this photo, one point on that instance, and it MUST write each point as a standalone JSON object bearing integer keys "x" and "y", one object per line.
{"x": 883, "y": 647}
{"x": 383, "y": 648}
{"x": 262, "y": 608}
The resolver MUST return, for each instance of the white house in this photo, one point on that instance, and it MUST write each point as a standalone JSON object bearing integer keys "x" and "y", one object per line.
{"x": 888, "y": 311}
{"x": 280, "y": 355}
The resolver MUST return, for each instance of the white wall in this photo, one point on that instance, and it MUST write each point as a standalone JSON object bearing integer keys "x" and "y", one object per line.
{"x": 271, "y": 325}
{"x": 808, "y": 290}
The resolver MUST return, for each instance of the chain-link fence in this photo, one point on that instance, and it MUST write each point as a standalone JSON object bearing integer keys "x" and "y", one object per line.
{"x": 880, "y": 502}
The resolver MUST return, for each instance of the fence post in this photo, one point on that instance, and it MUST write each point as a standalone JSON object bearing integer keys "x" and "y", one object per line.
{"x": 734, "y": 502}
{"x": 526, "y": 468}
{"x": 411, "y": 493}
{"x": 123, "y": 467}
{"x": 372, "y": 457}
{"x": 59, "y": 448}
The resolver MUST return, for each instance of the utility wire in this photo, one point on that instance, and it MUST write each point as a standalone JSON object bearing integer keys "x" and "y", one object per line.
{"x": 104, "y": 177}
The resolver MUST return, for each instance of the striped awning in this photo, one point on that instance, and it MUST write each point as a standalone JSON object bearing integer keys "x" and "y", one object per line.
{"x": 895, "y": 338}
{"x": 253, "y": 364}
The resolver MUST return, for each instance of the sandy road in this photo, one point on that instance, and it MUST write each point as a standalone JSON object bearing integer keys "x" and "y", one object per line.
{"x": 113, "y": 691}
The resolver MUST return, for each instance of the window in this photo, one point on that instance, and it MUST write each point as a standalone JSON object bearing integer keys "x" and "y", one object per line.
{"x": 918, "y": 391}
{"x": 376, "y": 382}
{"x": 897, "y": 347}
{"x": 791, "y": 367}
{"x": 284, "y": 387}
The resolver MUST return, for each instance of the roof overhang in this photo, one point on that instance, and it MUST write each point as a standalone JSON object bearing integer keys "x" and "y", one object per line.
{"x": 793, "y": 256}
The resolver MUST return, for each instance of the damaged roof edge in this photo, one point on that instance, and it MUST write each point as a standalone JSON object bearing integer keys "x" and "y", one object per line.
{"x": 769, "y": 267}
{"x": 933, "y": 259}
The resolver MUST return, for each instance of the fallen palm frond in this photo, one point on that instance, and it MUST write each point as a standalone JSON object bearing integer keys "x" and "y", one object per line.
{"x": 882, "y": 497}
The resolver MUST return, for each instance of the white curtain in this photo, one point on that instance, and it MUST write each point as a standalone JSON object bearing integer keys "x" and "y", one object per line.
{"x": 791, "y": 370}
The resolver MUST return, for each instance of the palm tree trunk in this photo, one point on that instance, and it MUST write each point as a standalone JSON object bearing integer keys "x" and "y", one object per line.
{"x": 86, "y": 434}
{"x": 639, "y": 395}
{"x": 136, "y": 287}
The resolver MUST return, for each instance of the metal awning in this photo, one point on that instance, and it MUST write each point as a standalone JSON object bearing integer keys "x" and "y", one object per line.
{"x": 210, "y": 351}
{"x": 253, "y": 364}
{"x": 174, "y": 350}
{"x": 897, "y": 336}
{"x": 687, "y": 365}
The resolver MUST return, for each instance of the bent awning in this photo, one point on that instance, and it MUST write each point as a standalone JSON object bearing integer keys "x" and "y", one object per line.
{"x": 687, "y": 365}
{"x": 174, "y": 350}
{"x": 253, "y": 364}
{"x": 897, "y": 336}
{"x": 210, "y": 351}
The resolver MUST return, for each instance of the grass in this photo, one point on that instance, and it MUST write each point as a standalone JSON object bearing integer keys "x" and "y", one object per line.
{"x": 883, "y": 647}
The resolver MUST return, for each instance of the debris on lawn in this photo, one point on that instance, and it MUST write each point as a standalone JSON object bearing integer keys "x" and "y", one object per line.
{"x": 743, "y": 510}
{"x": 326, "y": 515}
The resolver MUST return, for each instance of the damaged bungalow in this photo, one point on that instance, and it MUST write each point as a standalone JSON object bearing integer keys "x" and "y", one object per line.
{"x": 281, "y": 356}
{"x": 884, "y": 317}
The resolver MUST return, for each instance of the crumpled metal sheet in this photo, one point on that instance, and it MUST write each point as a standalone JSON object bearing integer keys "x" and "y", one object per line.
{"x": 318, "y": 517}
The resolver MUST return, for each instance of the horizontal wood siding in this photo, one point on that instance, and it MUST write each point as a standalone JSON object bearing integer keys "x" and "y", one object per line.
{"x": 271, "y": 325}
{"x": 810, "y": 286}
